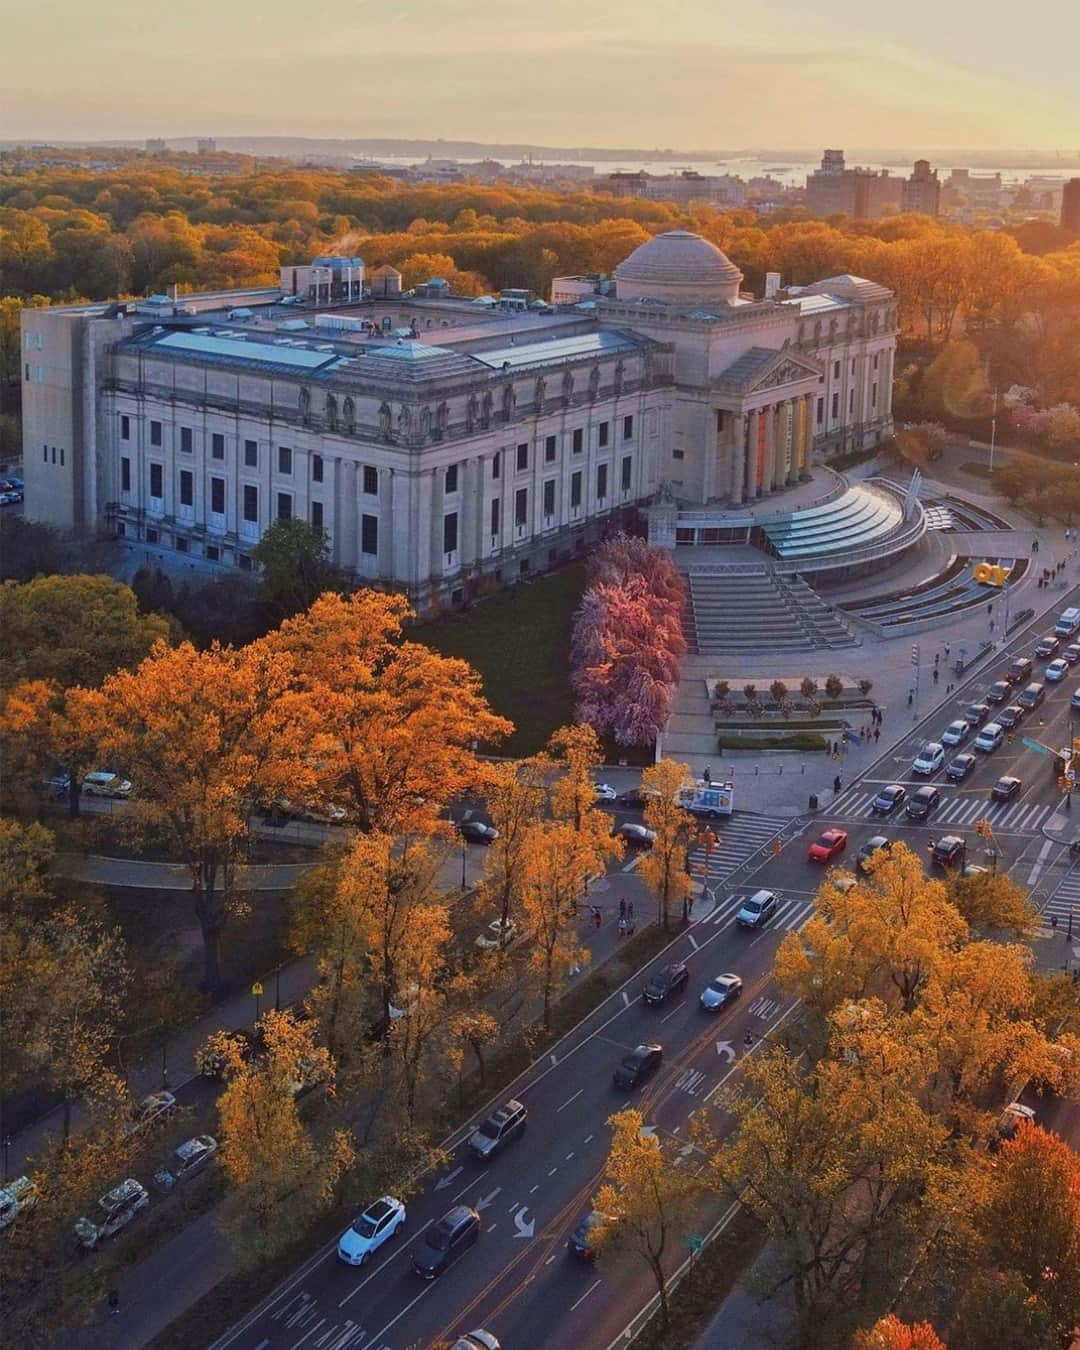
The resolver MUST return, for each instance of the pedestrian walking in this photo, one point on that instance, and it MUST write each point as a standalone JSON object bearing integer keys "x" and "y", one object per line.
{"x": 947, "y": 649}
{"x": 877, "y": 735}
{"x": 630, "y": 910}
{"x": 910, "y": 697}
{"x": 935, "y": 675}
{"x": 597, "y": 918}
{"x": 114, "y": 1302}
{"x": 622, "y": 909}
{"x": 937, "y": 657}
{"x": 622, "y": 926}
{"x": 836, "y": 784}
{"x": 629, "y": 928}
{"x": 991, "y": 625}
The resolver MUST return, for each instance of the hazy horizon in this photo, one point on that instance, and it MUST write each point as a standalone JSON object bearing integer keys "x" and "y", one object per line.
{"x": 615, "y": 73}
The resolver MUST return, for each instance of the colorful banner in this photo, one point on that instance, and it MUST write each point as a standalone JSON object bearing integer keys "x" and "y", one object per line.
{"x": 759, "y": 480}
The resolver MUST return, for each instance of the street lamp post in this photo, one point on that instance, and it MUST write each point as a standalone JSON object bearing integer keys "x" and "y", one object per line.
{"x": 993, "y": 432}
{"x": 165, "y": 1061}
{"x": 464, "y": 856}
{"x": 7, "y": 1146}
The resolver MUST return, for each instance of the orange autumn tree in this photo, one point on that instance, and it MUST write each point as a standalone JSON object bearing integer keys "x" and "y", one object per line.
{"x": 889, "y": 1333}
{"x": 397, "y": 720}
{"x": 663, "y": 868}
{"x": 201, "y": 734}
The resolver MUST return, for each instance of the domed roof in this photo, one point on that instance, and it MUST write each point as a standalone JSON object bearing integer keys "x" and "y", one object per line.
{"x": 678, "y": 259}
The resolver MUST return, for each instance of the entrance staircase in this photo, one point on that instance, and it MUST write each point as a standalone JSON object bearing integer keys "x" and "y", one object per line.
{"x": 761, "y": 610}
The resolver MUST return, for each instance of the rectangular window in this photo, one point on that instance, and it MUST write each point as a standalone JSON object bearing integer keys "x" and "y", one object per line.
{"x": 601, "y": 482}
{"x": 836, "y": 370}
{"x": 284, "y": 459}
{"x": 243, "y": 561}
{"x": 187, "y": 440}
{"x": 604, "y": 429}
{"x": 187, "y": 488}
{"x": 217, "y": 496}
{"x": 284, "y": 506}
{"x": 575, "y": 489}
{"x": 157, "y": 480}
{"x": 451, "y": 478}
{"x": 213, "y": 553}
{"x": 45, "y": 453}
{"x": 628, "y": 428}
{"x": 521, "y": 506}
{"x": 369, "y": 535}
{"x": 181, "y": 544}
{"x": 155, "y": 433}
{"x": 820, "y": 410}
{"x": 316, "y": 468}
{"x": 853, "y": 367}
{"x": 449, "y": 532}
{"x": 549, "y": 497}
{"x": 627, "y": 472}
{"x": 578, "y": 440}
{"x": 873, "y": 396}
{"x": 371, "y": 480}
{"x": 523, "y": 456}
{"x": 876, "y": 354}
{"x": 251, "y": 454}
{"x": 316, "y": 515}
{"x": 151, "y": 536}
{"x": 217, "y": 445}
{"x": 251, "y": 502}
{"x": 495, "y": 505}
{"x": 549, "y": 449}
{"x": 125, "y": 474}
{"x": 61, "y": 456}
{"x": 125, "y": 427}
{"x": 678, "y": 454}
{"x": 836, "y": 405}
{"x": 495, "y": 464}
{"x": 851, "y": 401}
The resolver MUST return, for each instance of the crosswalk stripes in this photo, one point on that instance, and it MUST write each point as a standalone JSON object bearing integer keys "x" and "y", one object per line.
{"x": 1064, "y": 902}
{"x": 738, "y": 838}
{"x": 954, "y": 810}
{"x": 763, "y": 1007}
{"x": 791, "y": 912}
{"x": 691, "y": 1081}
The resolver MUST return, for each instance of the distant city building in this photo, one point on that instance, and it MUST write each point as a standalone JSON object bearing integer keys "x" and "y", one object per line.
{"x": 155, "y": 145}
{"x": 685, "y": 187}
{"x": 206, "y": 145}
{"x": 1070, "y": 206}
{"x": 864, "y": 194}
{"x": 922, "y": 192}
{"x": 439, "y": 440}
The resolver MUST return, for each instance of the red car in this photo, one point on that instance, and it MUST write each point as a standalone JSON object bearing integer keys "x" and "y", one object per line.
{"x": 826, "y": 848}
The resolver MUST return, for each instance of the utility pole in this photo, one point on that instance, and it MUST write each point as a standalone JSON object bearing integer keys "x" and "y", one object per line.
{"x": 993, "y": 430}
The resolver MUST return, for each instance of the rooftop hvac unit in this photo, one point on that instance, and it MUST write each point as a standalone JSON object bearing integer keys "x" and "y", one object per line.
{"x": 291, "y": 325}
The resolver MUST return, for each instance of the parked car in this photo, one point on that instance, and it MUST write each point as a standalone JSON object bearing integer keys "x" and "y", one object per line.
{"x": 959, "y": 767}
{"x": 502, "y": 1127}
{"x": 190, "y": 1157}
{"x": 922, "y": 801}
{"x": 999, "y": 691}
{"x": 115, "y": 1210}
{"x": 58, "y": 784}
{"x": 580, "y": 1240}
{"x": 888, "y": 799}
{"x": 975, "y": 714}
{"x": 606, "y": 793}
{"x": 1074, "y": 702}
{"x": 478, "y": 831}
{"x": 16, "y": 1195}
{"x": 1005, "y": 789}
{"x": 154, "y": 1107}
{"x": 1010, "y": 717}
{"x": 1071, "y": 654}
{"x": 956, "y": 732}
{"x": 636, "y": 836}
{"x": 368, "y": 1231}
{"x": 990, "y": 737}
{"x": 446, "y": 1241}
{"x": 640, "y": 1064}
{"x": 878, "y": 843}
{"x": 477, "y": 1340}
{"x": 497, "y": 935}
{"x": 663, "y": 983}
{"x": 102, "y": 783}
{"x": 827, "y": 846}
{"x": 213, "y": 1064}
{"x": 1013, "y": 1118}
{"x": 1047, "y": 646}
{"x": 757, "y": 909}
{"x": 1020, "y": 670}
{"x": 636, "y": 797}
{"x": 949, "y": 851}
{"x": 929, "y": 759}
{"x": 721, "y": 991}
{"x": 1056, "y": 670}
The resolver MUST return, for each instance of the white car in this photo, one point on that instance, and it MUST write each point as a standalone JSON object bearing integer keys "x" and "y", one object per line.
{"x": 101, "y": 783}
{"x": 151, "y": 1109}
{"x": 929, "y": 759}
{"x": 1056, "y": 670}
{"x": 990, "y": 737}
{"x": 605, "y": 792}
{"x": 19, "y": 1194}
{"x": 497, "y": 935}
{"x": 367, "y": 1233}
{"x": 191, "y": 1157}
{"x": 115, "y": 1210}
{"x": 956, "y": 732}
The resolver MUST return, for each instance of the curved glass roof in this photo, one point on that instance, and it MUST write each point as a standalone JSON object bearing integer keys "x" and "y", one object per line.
{"x": 856, "y": 517}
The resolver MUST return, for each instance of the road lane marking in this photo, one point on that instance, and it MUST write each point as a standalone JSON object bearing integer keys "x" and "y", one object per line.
{"x": 554, "y": 1061}
{"x": 377, "y": 1338}
{"x": 566, "y": 1103}
{"x": 672, "y": 1013}
{"x": 553, "y": 1171}
{"x": 693, "y": 942}
{"x": 595, "y": 1285}
{"x": 589, "y": 1138}
{"x": 626, "y": 999}
{"x": 1040, "y": 862}
{"x": 535, "y": 1189}
{"x": 568, "y": 1157}
{"x": 308, "y": 1334}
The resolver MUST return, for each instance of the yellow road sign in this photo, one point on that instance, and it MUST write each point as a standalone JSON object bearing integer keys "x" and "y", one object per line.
{"x": 257, "y": 989}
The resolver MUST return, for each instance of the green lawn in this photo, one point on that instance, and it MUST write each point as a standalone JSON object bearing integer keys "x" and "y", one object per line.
{"x": 519, "y": 641}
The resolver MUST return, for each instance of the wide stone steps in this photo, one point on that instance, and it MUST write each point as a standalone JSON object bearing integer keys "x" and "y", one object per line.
{"x": 760, "y": 611}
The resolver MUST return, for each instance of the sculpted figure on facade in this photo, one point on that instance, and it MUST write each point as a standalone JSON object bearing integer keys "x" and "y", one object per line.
{"x": 620, "y": 375}
{"x": 541, "y": 389}
{"x": 386, "y": 427}
{"x": 348, "y": 413}
{"x": 442, "y": 419}
{"x": 425, "y": 423}
{"x": 471, "y": 410}
{"x": 305, "y": 404}
{"x": 404, "y": 422}
{"x": 331, "y": 412}
{"x": 485, "y": 409}
{"x": 567, "y": 388}
{"x": 594, "y": 382}
{"x": 508, "y": 402}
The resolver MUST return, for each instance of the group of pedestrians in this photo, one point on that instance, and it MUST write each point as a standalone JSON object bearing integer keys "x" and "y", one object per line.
{"x": 626, "y": 918}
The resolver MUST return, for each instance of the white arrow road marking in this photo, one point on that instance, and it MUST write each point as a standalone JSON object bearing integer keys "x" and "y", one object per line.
{"x": 647, "y": 1131}
{"x": 486, "y": 1201}
{"x": 449, "y": 1178}
{"x": 727, "y": 1049}
{"x": 524, "y": 1228}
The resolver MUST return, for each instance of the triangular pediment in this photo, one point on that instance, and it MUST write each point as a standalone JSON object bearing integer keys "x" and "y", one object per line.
{"x": 786, "y": 368}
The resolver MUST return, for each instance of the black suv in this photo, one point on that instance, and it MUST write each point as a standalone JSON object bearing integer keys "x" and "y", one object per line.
{"x": 446, "y": 1240}
{"x": 659, "y": 987}
{"x": 975, "y": 714}
{"x": 921, "y": 802}
{"x": 500, "y": 1128}
{"x": 872, "y": 845}
{"x": 1010, "y": 717}
{"x": 1020, "y": 670}
{"x": 998, "y": 691}
{"x": 949, "y": 851}
{"x": 638, "y": 1065}
{"x": 959, "y": 767}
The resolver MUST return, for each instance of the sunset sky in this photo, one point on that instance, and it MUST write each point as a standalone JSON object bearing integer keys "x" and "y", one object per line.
{"x": 563, "y": 72}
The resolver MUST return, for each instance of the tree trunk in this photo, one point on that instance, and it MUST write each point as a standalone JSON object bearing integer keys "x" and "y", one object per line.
{"x": 74, "y": 795}
{"x": 210, "y": 922}
{"x": 661, "y": 1289}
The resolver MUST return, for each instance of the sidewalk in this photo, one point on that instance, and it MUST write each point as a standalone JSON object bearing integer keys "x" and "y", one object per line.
{"x": 158, "y": 876}
{"x": 187, "y": 1266}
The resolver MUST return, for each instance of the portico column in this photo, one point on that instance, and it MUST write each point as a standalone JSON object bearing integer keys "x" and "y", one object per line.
{"x": 769, "y": 480}
{"x": 794, "y": 412}
{"x": 739, "y": 437}
{"x": 346, "y": 542}
{"x": 807, "y": 433}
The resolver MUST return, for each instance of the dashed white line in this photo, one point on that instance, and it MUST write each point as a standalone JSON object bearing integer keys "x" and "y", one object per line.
{"x": 534, "y": 1189}
{"x": 625, "y": 999}
{"x": 568, "y": 1157}
{"x": 589, "y": 1138}
{"x": 308, "y": 1334}
{"x": 554, "y": 1061}
{"x": 693, "y": 942}
{"x": 574, "y": 1098}
{"x": 595, "y": 1285}
{"x": 553, "y": 1171}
